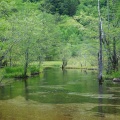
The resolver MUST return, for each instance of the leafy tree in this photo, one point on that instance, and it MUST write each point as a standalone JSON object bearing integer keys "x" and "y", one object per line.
{"x": 63, "y": 7}
{"x": 37, "y": 37}
{"x": 111, "y": 35}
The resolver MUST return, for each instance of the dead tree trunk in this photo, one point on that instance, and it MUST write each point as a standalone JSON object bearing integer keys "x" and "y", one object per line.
{"x": 100, "y": 64}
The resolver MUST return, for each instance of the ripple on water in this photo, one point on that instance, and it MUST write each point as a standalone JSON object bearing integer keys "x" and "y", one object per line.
{"x": 109, "y": 96}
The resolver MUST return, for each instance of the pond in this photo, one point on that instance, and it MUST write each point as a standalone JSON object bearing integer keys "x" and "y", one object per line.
{"x": 60, "y": 95}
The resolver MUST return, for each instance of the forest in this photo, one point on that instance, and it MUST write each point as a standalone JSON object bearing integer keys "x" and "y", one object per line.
{"x": 59, "y": 59}
{"x": 76, "y": 34}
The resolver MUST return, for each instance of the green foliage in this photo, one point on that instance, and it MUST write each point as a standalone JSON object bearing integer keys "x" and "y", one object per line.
{"x": 31, "y": 0}
{"x": 18, "y": 71}
{"x": 52, "y": 64}
{"x": 34, "y": 69}
{"x": 63, "y": 7}
{"x": 13, "y": 71}
{"x": 7, "y": 8}
{"x": 116, "y": 74}
{"x": 70, "y": 31}
{"x": 4, "y": 9}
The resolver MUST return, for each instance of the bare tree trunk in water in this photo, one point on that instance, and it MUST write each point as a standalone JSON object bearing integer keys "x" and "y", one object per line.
{"x": 100, "y": 64}
{"x": 26, "y": 63}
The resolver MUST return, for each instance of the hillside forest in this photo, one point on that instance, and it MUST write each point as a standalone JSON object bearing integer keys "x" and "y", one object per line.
{"x": 82, "y": 34}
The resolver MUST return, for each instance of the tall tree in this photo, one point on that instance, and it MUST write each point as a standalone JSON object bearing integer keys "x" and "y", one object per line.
{"x": 115, "y": 24}
{"x": 100, "y": 44}
{"x": 110, "y": 40}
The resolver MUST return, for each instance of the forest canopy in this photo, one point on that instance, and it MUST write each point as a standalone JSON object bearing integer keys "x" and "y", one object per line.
{"x": 59, "y": 30}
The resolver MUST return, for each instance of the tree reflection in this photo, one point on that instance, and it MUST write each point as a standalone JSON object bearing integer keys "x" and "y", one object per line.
{"x": 26, "y": 89}
{"x": 100, "y": 101}
{"x": 2, "y": 89}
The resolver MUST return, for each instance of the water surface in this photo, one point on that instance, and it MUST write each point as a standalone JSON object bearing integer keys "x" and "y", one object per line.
{"x": 60, "y": 95}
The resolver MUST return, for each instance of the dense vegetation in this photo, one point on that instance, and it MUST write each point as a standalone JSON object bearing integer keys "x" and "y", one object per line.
{"x": 32, "y": 31}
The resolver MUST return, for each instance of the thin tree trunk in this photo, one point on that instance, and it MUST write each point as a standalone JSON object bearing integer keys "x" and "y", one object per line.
{"x": 5, "y": 53}
{"x": 39, "y": 62}
{"x": 107, "y": 42}
{"x": 64, "y": 63}
{"x": 115, "y": 59}
{"x": 100, "y": 64}
{"x": 10, "y": 58}
{"x": 1, "y": 58}
{"x": 26, "y": 62}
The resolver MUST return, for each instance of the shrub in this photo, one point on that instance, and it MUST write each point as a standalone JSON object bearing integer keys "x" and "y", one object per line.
{"x": 13, "y": 69}
{"x": 34, "y": 69}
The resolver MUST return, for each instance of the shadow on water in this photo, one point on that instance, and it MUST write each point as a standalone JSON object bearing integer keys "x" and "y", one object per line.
{"x": 6, "y": 92}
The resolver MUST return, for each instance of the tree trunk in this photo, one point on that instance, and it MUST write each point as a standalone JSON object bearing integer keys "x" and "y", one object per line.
{"x": 5, "y": 53}
{"x": 0, "y": 62}
{"x": 115, "y": 59}
{"x": 10, "y": 58}
{"x": 100, "y": 64}
{"x": 1, "y": 59}
{"x": 39, "y": 59}
{"x": 107, "y": 42}
{"x": 26, "y": 62}
{"x": 64, "y": 63}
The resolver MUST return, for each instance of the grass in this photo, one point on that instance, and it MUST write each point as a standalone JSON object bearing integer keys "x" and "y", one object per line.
{"x": 13, "y": 71}
{"x": 52, "y": 64}
{"x": 74, "y": 63}
{"x": 116, "y": 74}
{"x": 34, "y": 70}
{"x": 17, "y": 71}
{"x": 112, "y": 75}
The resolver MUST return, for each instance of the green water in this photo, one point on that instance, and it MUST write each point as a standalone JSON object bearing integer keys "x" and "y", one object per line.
{"x": 76, "y": 88}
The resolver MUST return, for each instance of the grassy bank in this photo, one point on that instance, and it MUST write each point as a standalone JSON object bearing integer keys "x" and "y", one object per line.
{"x": 77, "y": 63}
{"x": 18, "y": 71}
{"x": 33, "y": 69}
{"x": 112, "y": 75}
{"x": 52, "y": 64}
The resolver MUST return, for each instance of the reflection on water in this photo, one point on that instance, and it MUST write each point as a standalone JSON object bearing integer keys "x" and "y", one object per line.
{"x": 26, "y": 89}
{"x": 60, "y": 95}
{"x": 100, "y": 101}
